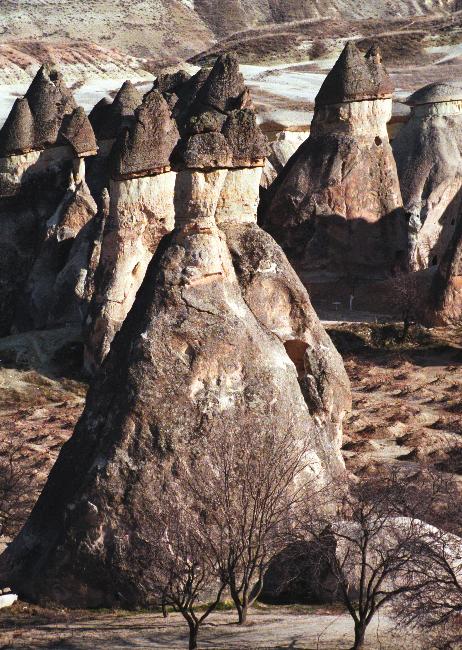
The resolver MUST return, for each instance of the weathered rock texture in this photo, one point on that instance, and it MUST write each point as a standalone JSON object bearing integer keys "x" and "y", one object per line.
{"x": 43, "y": 144}
{"x": 445, "y": 304}
{"x": 336, "y": 206}
{"x": 428, "y": 152}
{"x": 55, "y": 282}
{"x": 196, "y": 356}
{"x": 49, "y": 101}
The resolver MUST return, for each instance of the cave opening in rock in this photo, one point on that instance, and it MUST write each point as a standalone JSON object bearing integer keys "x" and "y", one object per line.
{"x": 296, "y": 352}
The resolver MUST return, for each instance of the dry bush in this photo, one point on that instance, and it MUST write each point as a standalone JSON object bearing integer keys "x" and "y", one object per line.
{"x": 17, "y": 493}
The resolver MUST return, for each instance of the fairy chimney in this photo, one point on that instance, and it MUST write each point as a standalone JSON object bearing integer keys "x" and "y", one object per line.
{"x": 336, "y": 206}
{"x": 428, "y": 153}
{"x": 144, "y": 189}
{"x": 43, "y": 145}
{"x": 141, "y": 212}
{"x": 195, "y": 356}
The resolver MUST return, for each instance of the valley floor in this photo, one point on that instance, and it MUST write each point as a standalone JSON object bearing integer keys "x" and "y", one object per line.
{"x": 269, "y": 628}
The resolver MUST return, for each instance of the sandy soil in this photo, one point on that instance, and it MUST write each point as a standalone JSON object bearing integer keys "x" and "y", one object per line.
{"x": 275, "y": 628}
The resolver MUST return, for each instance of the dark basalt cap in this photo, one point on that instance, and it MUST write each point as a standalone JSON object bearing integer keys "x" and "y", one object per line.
{"x": 356, "y": 77}
{"x": 17, "y": 134}
{"x": 224, "y": 86}
{"x": 244, "y": 138}
{"x": 98, "y": 116}
{"x": 170, "y": 83}
{"x": 206, "y": 151}
{"x": 146, "y": 147}
{"x": 77, "y": 131}
{"x": 108, "y": 119}
{"x": 49, "y": 100}
{"x": 127, "y": 99}
{"x": 440, "y": 91}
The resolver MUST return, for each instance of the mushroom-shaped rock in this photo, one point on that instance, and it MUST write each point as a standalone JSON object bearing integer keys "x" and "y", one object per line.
{"x": 146, "y": 147}
{"x": 191, "y": 361}
{"x": 435, "y": 93}
{"x": 17, "y": 134}
{"x": 428, "y": 153}
{"x": 77, "y": 131}
{"x": 336, "y": 207}
{"x": 49, "y": 100}
{"x": 355, "y": 77}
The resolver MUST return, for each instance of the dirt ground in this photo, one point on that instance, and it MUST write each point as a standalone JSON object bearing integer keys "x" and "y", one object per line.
{"x": 269, "y": 627}
{"x": 406, "y": 398}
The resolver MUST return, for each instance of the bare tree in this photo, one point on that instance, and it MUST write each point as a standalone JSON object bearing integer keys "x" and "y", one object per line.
{"x": 183, "y": 568}
{"x": 249, "y": 485}
{"x": 436, "y": 603}
{"x": 366, "y": 544}
{"x": 405, "y": 298}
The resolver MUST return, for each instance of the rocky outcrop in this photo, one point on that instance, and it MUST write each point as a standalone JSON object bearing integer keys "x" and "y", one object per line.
{"x": 280, "y": 152}
{"x": 197, "y": 356}
{"x": 336, "y": 206}
{"x": 108, "y": 120}
{"x": 17, "y": 135}
{"x": 428, "y": 152}
{"x": 43, "y": 302}
{"x": 77, "y": 132}
{"x": 146, "y": 148}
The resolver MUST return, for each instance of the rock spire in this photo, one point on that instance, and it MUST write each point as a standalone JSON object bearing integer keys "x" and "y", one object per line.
{"x": 336, "y": 206}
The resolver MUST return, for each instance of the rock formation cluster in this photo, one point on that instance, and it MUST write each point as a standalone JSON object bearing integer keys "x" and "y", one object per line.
{"x": 221, "y": 334}
{"x": 336, "y": 207}
{"x": 48, "y": 235}
{"x": 428, "y": 152}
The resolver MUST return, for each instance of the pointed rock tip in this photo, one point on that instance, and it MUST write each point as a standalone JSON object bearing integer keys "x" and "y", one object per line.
{"x": 355, "y": 77}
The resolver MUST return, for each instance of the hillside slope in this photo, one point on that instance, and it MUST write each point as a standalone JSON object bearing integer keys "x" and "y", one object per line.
{"x": 179, "y": 28}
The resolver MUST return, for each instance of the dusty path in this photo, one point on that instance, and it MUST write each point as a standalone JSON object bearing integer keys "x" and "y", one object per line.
{"x": 273, "y": 628}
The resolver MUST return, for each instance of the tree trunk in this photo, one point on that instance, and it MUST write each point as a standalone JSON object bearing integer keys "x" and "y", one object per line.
{"x": 164, "y": 610}
{"x": 193, "y": 630}
{"x": 360, "y": 633}
{"x": 242, "y": 614}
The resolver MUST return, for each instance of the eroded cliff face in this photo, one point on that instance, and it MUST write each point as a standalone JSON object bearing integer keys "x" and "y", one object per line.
{"x": 429, "y": 160}
{"x": 196, "y": 355}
